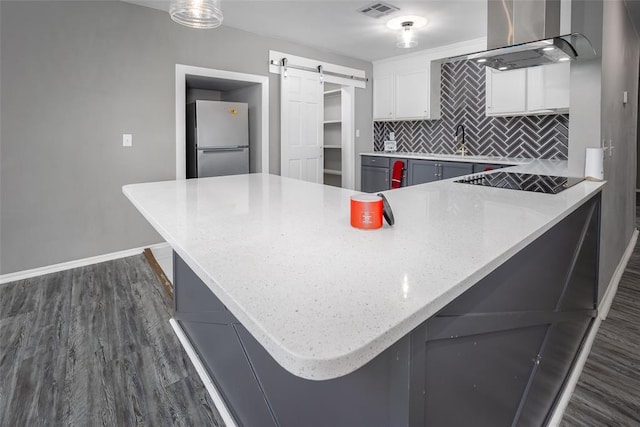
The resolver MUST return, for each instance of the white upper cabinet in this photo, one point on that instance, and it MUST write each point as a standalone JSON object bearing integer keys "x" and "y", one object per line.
{"x": 402, "y": 89}
{"x": 528, "y": 91}
{"x": 383, "y": 97}
{"x": 412, "y": 94}
{"x": 506, "y": 91}
{"x": 548, "y": 87}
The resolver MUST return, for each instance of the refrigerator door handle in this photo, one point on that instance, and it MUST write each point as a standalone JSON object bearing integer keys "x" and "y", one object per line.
{"x": 218, "y": 149}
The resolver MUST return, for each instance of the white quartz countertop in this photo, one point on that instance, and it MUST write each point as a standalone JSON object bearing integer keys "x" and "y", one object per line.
{"x": 450, "y": 157}
{"x": 322, "y": 297}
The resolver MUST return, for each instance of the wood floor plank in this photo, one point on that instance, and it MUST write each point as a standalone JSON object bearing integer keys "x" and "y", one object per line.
{"x": 93, "y": 346}
{"x": 182, "y": 393}
{"x": 19, "y": 298}
{"x": 14, "y": 332}
{"x": 49, "y": 329}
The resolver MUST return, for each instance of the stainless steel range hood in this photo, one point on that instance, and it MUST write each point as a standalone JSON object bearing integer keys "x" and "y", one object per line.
{"x": 570, "y": 47}
{"x": 526, "y": 33}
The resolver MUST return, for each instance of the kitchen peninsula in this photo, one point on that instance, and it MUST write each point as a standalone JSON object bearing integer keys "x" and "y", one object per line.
{"x": 469, "y": 310}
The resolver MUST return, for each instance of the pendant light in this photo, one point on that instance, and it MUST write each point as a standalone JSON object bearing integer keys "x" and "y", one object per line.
{"x": 202, "y": 14}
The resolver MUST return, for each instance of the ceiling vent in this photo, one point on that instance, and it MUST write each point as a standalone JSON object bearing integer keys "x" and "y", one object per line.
{"x": 378, "y": 9}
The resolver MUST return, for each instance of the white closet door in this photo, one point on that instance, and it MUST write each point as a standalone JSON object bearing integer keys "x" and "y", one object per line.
{"x": 301, "y": 125}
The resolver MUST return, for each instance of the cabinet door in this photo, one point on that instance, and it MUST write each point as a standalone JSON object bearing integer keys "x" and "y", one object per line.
{"x": 383, "y": 98}
{"x": 506, "y": 91}
{"x": 548, "y": 87}
{"x": 412, "y": 94}
{"x": 422, "y": 171}
{"x": 374, "y": 179}
{"x": 452, "y": 170}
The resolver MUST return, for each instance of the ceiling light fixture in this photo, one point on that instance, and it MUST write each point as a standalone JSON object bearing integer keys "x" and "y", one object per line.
{"x": 203, "y": 14}
{"x": 407, "y": 26}
{"x": 407, "y": 36}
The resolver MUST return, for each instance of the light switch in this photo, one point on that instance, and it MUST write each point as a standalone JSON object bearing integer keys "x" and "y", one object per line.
{"x": 127, "y": 140}
{"x": 625, "y": 97}
{"x": 392, "y": 136}
{"x": 357, "y": 133}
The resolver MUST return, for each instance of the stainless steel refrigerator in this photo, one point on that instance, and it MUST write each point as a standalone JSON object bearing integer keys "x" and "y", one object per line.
{"x": 217, "y": 138}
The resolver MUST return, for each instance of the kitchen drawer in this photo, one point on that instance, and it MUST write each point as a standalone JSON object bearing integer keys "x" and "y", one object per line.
{"x": 382, "y": 162}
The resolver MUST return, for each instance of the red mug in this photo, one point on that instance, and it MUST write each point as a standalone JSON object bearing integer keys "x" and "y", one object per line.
{"x": 366, "y": 211}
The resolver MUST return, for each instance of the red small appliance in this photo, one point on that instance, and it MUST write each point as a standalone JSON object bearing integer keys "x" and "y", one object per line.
{"x": 396, "y": 174}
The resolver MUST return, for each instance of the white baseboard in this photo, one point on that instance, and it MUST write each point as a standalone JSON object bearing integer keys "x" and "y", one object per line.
{"x": 603, "y": 310}
{"x": 34, "y": 272}
{"x": 204, "y": 376}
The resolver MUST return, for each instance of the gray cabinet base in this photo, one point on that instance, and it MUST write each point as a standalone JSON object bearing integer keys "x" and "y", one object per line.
{"x": 497, "y": 355}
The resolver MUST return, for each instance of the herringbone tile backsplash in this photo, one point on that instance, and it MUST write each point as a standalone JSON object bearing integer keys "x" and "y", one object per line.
{"x": 463, "y": 101}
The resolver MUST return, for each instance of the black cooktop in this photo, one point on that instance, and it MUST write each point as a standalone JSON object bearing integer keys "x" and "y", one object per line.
{"x": 523, "y": 181}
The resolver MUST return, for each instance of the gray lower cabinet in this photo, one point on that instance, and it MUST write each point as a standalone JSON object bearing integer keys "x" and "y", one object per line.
{"x": 452, "y": 170}
{"x": 377, "y": 173}
{"x": 483, "y": 167}
{"x": 423, "y": 171}
{"x": 374, "y": 179}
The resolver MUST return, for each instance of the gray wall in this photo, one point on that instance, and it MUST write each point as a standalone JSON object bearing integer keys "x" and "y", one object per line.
{"x": 620, "y": 56}
{"x": 597, "y": 113}
{"x": 74, "y": 77}
{"x": 586, "y": 85}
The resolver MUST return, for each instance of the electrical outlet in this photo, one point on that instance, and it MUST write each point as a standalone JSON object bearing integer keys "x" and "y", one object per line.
{"x": 127, "y": 140}
{"x": 392, "y": 136}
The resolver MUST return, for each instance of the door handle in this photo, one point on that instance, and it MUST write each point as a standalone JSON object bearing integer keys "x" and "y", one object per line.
{"x": 213, "y": 150}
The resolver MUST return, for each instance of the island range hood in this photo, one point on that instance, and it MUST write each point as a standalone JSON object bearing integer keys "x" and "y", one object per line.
{"x": 526, "y": 33}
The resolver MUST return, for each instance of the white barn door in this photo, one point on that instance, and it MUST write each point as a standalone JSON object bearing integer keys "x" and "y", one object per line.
{"x": 301, "y": 125}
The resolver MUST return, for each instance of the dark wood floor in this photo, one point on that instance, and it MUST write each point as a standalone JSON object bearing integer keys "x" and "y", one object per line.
{"x": 93, "y": 346}
{"x": 608, "y": 392}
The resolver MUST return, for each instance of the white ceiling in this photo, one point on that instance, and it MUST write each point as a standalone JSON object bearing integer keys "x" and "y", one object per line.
{"x": 336, "y": 26}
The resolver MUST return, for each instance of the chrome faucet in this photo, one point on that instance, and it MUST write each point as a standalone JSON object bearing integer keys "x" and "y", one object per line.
{"x": 461, "y": 148}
